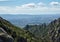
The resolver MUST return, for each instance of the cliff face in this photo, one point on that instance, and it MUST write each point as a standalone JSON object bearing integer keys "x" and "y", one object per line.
{"x": 4, "y": 37}
{"x": 54, "y": 31}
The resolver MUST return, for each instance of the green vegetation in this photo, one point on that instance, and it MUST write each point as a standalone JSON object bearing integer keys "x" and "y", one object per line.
{"x": 39, "y": 31}
{"x": 46, "y": 33}
{"x": 16, "y": 32}
{"x": 32, "y": 33}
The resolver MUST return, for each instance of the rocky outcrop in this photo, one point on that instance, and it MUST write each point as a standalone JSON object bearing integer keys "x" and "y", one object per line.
{"x": 47, "y": 33}
{"x": 4, "y": 37}
{"x": 54, "y": 31}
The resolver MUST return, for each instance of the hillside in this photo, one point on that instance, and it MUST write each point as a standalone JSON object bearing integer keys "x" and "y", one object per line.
{"x": 54, "y": 31}
{"x": 30, "y": 33}
{"x": 48, "y": 33}
{"x": 11, "y": 33}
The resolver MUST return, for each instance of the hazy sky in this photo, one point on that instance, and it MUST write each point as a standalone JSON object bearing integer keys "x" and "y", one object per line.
{"x": 29, "y": 6}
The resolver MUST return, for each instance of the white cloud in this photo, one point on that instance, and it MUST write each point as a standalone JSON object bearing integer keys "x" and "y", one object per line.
{"x": 29, "y": 5}
{"x": 41, "y": 4}
{"x": 55, "y": 4}
{"x": 30, "y": 8}
{"x": 33, "y": 5}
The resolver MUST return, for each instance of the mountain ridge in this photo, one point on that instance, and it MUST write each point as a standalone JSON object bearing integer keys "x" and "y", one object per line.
{"x": 48, "y": 33}
{"x": 30, "y": 33}
{"x": 18, "y": 34}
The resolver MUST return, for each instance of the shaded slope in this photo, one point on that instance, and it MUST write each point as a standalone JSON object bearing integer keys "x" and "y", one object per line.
{"x": 54, "y": 31}
{"x": 19, "y": 35}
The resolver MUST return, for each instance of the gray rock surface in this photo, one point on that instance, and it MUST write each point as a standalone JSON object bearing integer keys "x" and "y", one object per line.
{"x": 4, "y": 37}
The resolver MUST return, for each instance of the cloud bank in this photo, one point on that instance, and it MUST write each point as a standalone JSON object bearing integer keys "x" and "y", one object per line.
{"x": 32, "y": 8}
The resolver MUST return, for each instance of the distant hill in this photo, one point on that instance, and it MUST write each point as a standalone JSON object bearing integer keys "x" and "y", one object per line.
{"x": 22, "y": 20}
{"x": 48, "y": 33}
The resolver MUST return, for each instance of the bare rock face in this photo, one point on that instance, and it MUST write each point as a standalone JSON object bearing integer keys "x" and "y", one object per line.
{"x": 54, "y": 31}
{"x": 4, "y": 37}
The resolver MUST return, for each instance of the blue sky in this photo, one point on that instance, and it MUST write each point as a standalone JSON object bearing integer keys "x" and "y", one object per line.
{"x": 29, "y": 6}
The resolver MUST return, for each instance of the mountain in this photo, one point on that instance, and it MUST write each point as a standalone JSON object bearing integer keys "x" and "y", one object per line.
{"x": 54, "y": 31}
{"x": 46, "y": 33}
{"x": 11, "y": 33}
{"x": 36, "y": 29}
{"x": 22, "y": 20}
{"x": 39, "y": 31}
{"x": 31, "y": 32}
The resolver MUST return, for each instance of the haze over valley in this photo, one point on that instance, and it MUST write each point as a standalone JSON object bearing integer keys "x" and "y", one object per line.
{"x": 23, "y": 20}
